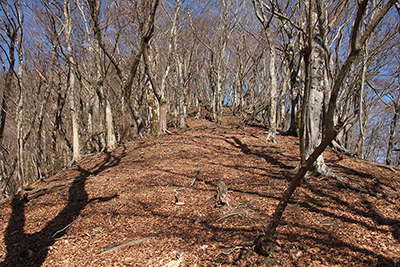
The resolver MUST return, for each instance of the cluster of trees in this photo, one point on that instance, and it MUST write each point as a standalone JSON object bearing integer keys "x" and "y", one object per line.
{"x": 80, "y": 76}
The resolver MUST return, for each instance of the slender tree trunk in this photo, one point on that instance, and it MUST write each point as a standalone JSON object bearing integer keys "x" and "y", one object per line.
{"x": 361, "y": 120}
{"x": 71, "y": 83}
{"x": 315, "y": 103}
{"x": 108, "y": 126}
{"x": 110, "y": 133}
{"x": 273, "y": 88}
{"x": 393, "y": 126}
{"x": 5, "y": 93}
{"x": 293, "y": 130}
{"x": 163, "y": 103}
{"x": 20, "y": 106}
{"x": 266, "y": 243}
{"x": 19, "y": 115}
{"x": 182, "y": 95}
{"x": 154, "y": 111}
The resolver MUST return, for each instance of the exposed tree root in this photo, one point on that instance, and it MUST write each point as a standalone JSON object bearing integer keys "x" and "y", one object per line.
{"x": 232, "y": 214}
{"x": 271, "y": 137}
{"x": 111, "y": 248}
{"x": 340, "y": 148}
{"x": 322, "y": 169}
{"x": 266, "y": 246}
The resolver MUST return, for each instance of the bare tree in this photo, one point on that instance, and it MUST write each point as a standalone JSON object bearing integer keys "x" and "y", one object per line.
{"x": 144, "y": 12}
{"x": 358, "y": 38}
{"x": 98, "y": 84}
{"x": 11, "y": 34}
{"x": 67, "y": 24}
{"x": 10, "y": 28}
{"x": 259, "y": 8}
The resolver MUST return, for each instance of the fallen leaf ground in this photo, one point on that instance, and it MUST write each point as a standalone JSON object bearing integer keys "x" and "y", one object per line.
{"x": 87, "y": 214}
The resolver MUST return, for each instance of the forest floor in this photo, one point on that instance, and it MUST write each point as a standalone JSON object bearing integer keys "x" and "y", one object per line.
{"x": 116, "y": 209}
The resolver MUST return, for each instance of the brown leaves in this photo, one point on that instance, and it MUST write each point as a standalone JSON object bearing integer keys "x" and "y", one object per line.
{"x": 324, "y": 225}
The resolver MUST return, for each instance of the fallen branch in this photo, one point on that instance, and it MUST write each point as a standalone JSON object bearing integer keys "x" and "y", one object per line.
{"x": 391, "y": 168}
{"x": 61, "y": 230}
{"x": 112, "y": 248}
{"x": 230, "y": 215}
{"x": 230, "y": 250}
{"x": 68, "y": 237}
{"x": 390, "y": 192}
{"x": 191, "y": 184}
{"x": 177, "y": 202}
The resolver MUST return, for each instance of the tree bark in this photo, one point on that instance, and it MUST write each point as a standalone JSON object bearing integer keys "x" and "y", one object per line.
{"x": 266, "y": 243}
{"x": 110, "y": 140}
{"x": 315, "y": 103}
{"x": 274, "y": 87}
{"x": 71, "y": 82}
{"x": 11, "y": 28}
{"x": 393, "y": 126}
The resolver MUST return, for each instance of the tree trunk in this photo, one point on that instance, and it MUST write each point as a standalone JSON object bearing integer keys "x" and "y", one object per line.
{"x": 294, "y": 112}
{"x": 154, "y": 111}
{"x": 393, "y": 126}
{"x": 315, "y": 103}
{"x": 182, "y": 92}
{"x": 273, "y": 89}
{"x": 361, "y": 121}
{"x": 266, "y": 243}
{"x": 110, "y": 133}
{"x": 108, "y": 126}
{"x": 20, "y": 106}
{"x": 163, "y": 103}
{"x": 71, "y": 83}
{"x": 11, "y": 30}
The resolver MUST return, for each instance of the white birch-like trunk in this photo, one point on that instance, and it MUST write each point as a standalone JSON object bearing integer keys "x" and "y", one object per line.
{"x": 20, "y": 106}
{"x": 110, "y": 134}
{"x": 393, "y": 131}
{"x": 314, "y": 110}
{"x": 361, "y": 116}
{"x": 163, "y": 104}
{"x": 20, "y": 114}
{"x": 71, "y": 82}
{"x": 181, "y": 93}
{"x": 273, "y": 88}
{"x": 110, "y": 140}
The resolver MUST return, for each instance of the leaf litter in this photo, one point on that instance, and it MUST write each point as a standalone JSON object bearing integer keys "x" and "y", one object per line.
{"x": 129, "y": 209}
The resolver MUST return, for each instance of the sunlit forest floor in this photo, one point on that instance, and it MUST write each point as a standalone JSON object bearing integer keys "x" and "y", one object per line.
{"x": 116, "y": 209}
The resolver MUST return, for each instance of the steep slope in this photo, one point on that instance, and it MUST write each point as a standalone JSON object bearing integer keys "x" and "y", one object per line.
{"x": 118, "y": 209}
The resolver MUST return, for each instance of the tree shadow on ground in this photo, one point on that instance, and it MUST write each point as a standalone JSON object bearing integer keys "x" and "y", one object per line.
{"x": 329, "y": 240}
{"x": 24, "y": 249}
{"x": 246, "y": 150}
{"x": 371, "y": 213}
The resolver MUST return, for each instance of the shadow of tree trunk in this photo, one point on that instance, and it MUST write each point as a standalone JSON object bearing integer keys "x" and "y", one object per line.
{"x": 31, "y": 249}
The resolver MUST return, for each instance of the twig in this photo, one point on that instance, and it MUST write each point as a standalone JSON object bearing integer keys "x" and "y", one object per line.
{"x": 111, "y": 248}
{"x": 231, "y": 215}
{"x": 59, "y": 231}
{"x": 191, "y": 184}
{"x": 230, "y": 250}
{"x": 177, "y": 202}
{"x": 68, "y": 237}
